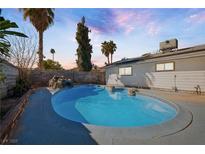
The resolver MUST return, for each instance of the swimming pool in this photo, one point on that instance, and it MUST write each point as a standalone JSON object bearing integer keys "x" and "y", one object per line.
{"x": 93, "y": 104}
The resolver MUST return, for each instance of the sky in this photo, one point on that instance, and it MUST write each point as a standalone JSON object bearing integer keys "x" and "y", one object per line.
{"x": 135, "y": 31}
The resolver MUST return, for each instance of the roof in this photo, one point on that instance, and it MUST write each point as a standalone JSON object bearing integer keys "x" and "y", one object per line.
{"x": 161, "y": 54}
{"x": 6, "y": 62}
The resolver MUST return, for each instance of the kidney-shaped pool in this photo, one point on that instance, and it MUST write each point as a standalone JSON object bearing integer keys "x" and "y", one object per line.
{"x": 96, "y": 105}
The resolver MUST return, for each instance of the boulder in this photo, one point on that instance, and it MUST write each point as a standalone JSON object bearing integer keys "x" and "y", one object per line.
{"x": 60, "y": 82}
{"x": 132, "y": 91}
{"x": 67, "y": 83}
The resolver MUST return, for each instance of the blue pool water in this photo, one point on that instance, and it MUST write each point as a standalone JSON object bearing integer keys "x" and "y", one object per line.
{"x": 96, "y": 105}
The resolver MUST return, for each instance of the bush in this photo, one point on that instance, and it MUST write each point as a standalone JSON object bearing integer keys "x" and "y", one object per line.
{"x": 52, "y": 65}
{"x": 22, "y": 86}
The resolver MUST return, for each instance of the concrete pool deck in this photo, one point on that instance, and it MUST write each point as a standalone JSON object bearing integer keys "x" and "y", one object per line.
{"x": 39, "y": 124}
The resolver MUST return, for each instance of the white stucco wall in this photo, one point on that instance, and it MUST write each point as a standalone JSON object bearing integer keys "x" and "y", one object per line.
{"x": 182, "y": 80}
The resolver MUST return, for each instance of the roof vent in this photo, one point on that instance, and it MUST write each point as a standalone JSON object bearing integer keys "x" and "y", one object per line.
{"x": 168, "y": 45}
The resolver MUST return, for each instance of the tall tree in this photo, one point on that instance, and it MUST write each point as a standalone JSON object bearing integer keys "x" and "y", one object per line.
{"x": 84, "y": 49}
{"x": 53, "y": 52}
{"x": 42, "y": 19}
{"x": 105, "y": 50}
{"x": 113, "y": 48}
{"x": 108, "y": 48}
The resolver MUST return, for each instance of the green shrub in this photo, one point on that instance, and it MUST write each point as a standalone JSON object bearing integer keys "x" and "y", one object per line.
{"x": 22, "y": 86}
{"x": 52, "y": 65}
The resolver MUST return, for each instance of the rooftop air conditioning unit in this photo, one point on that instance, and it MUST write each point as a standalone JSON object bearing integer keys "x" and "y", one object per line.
{"x": 168, "y": 45}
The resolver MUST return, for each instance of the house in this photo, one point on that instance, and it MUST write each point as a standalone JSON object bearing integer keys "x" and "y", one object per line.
{"x": 170, "y": 68}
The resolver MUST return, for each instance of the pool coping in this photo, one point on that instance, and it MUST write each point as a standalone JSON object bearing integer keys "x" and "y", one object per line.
{"x": 182, "y": 120}
{"x": 107, "y": 135}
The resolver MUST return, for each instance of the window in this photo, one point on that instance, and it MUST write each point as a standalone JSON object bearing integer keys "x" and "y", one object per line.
{"x": 165, "y": 66}
{"x": 169, "y": 66}
{"x": 160, "y": 67}
{"x": 125, "y": 71}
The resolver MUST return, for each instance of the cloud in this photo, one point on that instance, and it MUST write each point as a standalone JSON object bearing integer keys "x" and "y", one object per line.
{"x": 109, "y": 21}
{"x": 99, "y": 20}
{"x": 197, "y": 18}
{"x": 130, "y": 19}
{"x": 153, "y": 29}
{"x": 95, "y": 30}
{"x": 123, "y": 21}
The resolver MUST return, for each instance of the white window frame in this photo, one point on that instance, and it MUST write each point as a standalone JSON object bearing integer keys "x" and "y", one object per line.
{"x": 125, "y": 70}
{"x": 160, "y": 67}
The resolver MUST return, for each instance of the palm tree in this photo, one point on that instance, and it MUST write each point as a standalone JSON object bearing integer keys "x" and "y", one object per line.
{"x": 105, "y": 50}
{"x": 53, "y": 52}
{"x": 108, "y": 48}
{"x": 41, "y": 19}
{"x": 5, "y": 25}
{"x": 113, "y": 48}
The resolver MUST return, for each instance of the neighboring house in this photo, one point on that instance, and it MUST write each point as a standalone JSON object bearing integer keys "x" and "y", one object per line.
{"x": 11, "y": 73}
{"x": 171, "y": 68}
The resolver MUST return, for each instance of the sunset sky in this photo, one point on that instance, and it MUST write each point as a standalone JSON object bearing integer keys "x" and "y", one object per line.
{"x": 135, "y": 31}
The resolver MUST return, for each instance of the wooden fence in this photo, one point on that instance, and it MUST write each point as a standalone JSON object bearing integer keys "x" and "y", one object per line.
{"x": 41, "y": 78}
{"x": 11, "y": 74}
